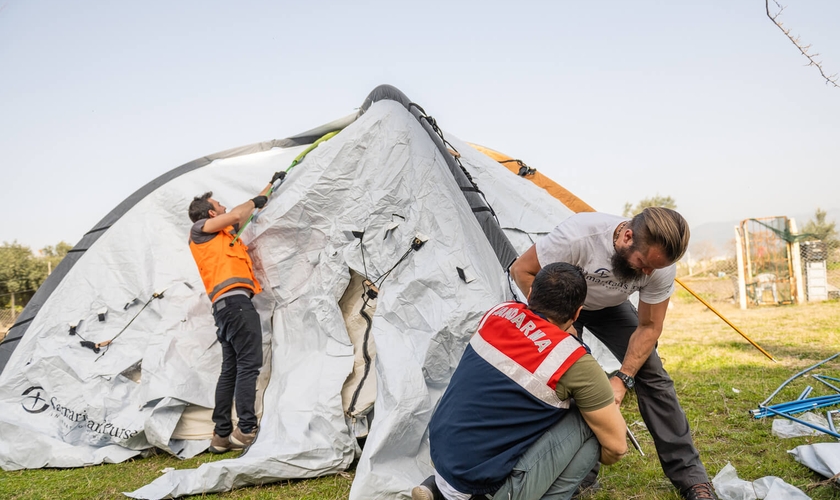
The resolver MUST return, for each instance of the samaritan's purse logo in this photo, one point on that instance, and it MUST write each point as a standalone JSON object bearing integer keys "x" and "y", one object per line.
{"x": 32, "y": 400}
{"x": 602, "y": 272}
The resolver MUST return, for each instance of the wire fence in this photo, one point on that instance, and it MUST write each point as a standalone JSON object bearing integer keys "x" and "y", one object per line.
{"x": 7, "y": 319}
{"x": 776, "y": 266}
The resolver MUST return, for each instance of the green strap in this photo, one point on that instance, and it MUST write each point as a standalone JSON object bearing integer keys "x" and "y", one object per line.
{"x": 299, "y": 158}
{"x": 314, "y": 145}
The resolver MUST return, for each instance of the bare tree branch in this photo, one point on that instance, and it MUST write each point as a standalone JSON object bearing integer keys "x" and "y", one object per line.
{"x": 829, "y": 79}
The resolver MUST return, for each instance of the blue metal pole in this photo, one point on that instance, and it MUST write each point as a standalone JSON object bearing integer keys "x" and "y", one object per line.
{"x": 763, "y": 403}
{"x": 806, "y": 424}
{"x": 798, "y": 406}
{"x": 805, "y": 393}
{"x": 822, "y": 378}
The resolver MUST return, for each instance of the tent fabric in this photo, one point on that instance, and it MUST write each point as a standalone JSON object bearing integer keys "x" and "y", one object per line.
{"x": 387, "y": 176}
{"x": 482, "y": 211}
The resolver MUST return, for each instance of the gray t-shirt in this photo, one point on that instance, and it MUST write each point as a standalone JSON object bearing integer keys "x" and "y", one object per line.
{"x": 198, "y": 236}
{"x": 586, "y": 240}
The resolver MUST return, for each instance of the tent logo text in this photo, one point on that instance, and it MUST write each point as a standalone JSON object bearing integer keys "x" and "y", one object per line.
{"x": 32, "y": 400}
{"x": 81, "y": 419}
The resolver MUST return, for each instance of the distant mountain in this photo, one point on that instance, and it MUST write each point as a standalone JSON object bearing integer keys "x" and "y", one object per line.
{"x": 717, "y": 239}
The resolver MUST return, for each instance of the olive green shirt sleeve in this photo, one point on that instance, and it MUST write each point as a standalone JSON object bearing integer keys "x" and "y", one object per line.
{"x": 586, "y": 381}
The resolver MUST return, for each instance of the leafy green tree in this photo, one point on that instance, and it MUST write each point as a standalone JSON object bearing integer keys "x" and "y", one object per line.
{"x": 59, "y": 250}
{"x": 20, "y": 272}
{"x": 53, "y": 254}
{"x": 821, "y": 229}
{"x": 654, "y": 201}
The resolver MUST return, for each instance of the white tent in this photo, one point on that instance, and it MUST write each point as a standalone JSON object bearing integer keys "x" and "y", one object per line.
{"x": 351, "y": 209}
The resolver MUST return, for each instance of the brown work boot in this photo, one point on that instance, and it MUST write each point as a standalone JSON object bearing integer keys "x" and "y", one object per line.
{"x": 240, "y": 440}
{"x": 219, "y": 444}
{"x": 699, "y": 491}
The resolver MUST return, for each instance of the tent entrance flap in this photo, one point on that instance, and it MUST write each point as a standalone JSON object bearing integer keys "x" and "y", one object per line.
{"x": 359, "y": 391}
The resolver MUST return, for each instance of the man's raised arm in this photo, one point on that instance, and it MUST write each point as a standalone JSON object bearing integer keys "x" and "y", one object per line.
{"x": 240, "y": 213}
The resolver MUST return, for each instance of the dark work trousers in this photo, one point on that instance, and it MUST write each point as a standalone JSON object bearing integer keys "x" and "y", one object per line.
{"x": 655, "y": 392}
{"x": 240, "y": 334}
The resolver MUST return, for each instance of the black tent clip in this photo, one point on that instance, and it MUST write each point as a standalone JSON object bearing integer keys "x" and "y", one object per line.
{"x": 90, "y": 345}
{"x": 94, "y": 347}
{"x": 526, "y": 170}
{"x": 372, "y": 291}
{"x": 419, "y": 241}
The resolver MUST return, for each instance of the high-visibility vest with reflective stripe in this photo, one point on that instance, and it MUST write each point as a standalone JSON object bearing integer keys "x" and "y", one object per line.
{"x": 501, "y": 398}
{"x": 223, "y": 267}
{"x": 540, "y": 352}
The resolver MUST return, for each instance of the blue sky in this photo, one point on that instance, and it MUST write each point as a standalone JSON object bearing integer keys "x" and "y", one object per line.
{"x": 706, "y": 102}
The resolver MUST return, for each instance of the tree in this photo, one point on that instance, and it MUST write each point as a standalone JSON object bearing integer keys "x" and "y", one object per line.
{"x": 821, "y": 229}
{"x": 53, "y": 254}
{"x": 655, "y": 201}
{"x": 59, "y": 250}
{"x": 20, "y": 272}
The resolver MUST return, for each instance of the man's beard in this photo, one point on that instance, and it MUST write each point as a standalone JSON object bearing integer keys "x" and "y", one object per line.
{"x": 621, "y": 267}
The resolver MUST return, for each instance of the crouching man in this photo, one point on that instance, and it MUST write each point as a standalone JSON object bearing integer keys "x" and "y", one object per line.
{"x": 507, "y": 426}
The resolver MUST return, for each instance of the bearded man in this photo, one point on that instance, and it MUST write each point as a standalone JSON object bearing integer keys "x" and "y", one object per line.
{"x": 620, "y": 257}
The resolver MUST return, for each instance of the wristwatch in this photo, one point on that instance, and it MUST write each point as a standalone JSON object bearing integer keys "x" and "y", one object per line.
{"x": 628, "y": 381}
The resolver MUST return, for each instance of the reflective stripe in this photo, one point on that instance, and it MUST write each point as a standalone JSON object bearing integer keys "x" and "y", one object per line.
{"x": 490, "y": 313}
{"x": 555, "y": 359}
{"x": 228, "y": 282}
{"x": 234, "y": 291}
{"x": 513, "y": 370}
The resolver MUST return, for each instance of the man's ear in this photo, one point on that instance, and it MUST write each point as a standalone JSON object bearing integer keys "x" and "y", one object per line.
{"x": 212, "y": 213}
{"x": 577, "y": 313}
{"x": 627, "y": 237}
{"x": 528, "y": 298}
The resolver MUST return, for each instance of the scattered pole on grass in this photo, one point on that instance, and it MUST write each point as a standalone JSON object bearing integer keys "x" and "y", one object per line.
{"x": 805, "y": 393}
{"x": 806, "y": 424}
{"x": 803, "y": 372}
{"x": 804, "y": 403}
{"x": 821, "y": 378}
{"x": 799, "y": 406}
{"x": 689, "y": 290}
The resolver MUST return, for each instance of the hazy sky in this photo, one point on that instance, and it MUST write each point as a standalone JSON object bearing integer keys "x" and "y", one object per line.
{"x": 706, "y": 102}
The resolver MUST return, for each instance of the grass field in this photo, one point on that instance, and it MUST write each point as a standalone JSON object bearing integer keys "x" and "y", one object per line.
{"x": 718, "y": 375}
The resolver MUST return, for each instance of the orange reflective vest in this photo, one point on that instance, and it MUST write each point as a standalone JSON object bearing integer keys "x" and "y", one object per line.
{"x": 224, "y": 267}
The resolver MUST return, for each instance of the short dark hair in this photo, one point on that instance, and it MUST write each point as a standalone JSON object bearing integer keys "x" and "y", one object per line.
{"x": 663, "y": 228}
{"x": 200, "y": 207}
{"x": 557, "y": 292}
